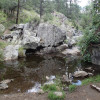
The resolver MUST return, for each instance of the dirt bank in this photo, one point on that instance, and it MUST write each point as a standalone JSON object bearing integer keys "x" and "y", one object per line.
{"x": 82, "y": 93}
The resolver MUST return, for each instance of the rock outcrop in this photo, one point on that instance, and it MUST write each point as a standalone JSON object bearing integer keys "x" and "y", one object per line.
{"x": 51, "y": 35}
{"x": 95, "y": 55}
{"x": 11, "y": 52}
{"x": 44, "y": 35}
{"x": 41, "y": 38}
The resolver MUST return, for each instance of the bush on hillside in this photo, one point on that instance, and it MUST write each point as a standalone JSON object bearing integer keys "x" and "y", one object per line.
{"x": 27, "y": 16}
{"x": 3, "y": 17}
{"x": 47, "y": 17}
{"x": 85, "y": 42}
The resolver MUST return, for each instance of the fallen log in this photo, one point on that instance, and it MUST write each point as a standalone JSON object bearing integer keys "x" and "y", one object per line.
{"x": 95, "y": 87}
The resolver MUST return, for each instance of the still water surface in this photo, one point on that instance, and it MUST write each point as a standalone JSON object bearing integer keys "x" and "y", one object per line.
{"x": 33, "y": 69}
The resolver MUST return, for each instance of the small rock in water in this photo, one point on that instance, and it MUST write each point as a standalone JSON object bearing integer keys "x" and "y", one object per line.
{"x": 49, "y": 83}
{"x": 7, "y": 81}
{"x": 60, "y": 94}
{"x": 50, "y": 78}
{"x": 35, "y": 89}
{"x": 47, "y": 78}
{"x": 80, "y": 74}
{"x": 3, "y": 86}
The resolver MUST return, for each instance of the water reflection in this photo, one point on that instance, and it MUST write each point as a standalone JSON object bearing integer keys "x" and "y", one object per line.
{"x": 32, "y": 69}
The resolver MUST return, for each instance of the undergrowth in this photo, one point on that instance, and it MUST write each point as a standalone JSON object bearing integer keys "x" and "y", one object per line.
{"x": 53, "y": 96}
{"x": 86, "y": 41}
{"x": 95, "y": 79}
{"x": 52, "y": 88}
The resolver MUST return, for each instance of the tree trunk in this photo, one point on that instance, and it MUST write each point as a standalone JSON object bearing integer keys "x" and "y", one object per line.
{"x": 17, "y": 18}
{"x": 58, "y": 5}
{"x": 41, "y": 8}
{"x": 70, "y": 8}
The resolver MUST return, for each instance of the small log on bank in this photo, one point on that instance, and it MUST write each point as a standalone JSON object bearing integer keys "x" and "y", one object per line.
{"x": 95, "y": 87}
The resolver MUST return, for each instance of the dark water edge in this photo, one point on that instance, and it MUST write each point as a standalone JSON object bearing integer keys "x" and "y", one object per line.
{"x": 33, "y": 69}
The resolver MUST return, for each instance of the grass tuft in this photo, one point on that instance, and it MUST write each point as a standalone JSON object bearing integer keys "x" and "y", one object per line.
{"x": 2, "y": 47}
{"x": 53, "y": 96}
{"x": 21, "y": 52}
{"x": 94, "y": 79}
{"x": 51, "y": 87}
{"x": 72, "y": 88}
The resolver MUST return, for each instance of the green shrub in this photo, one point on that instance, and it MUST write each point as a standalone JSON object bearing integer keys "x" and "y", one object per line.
{"x": 21, "y": 52}
{"x": 55, "y": 21}
{"x": 53, "y": 96}
{"x": 1, "y": 54}
{"x": 27, "y": 16}
{"x": 57, "y": 86}
{"x": 47, "y": 17}
{"x": 3, "y": 17}
{"x": 72, "y": 88}
{"x": 94, "y": 79}
{"x": 51, "y": 87}
{"x": 85, "y": 42}
{"x": 2, "y": 46}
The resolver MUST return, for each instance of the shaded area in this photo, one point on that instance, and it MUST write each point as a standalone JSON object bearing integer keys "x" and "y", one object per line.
{"x": 28, "y": 71}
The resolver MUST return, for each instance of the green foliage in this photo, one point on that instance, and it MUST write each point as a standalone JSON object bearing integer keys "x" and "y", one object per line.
{"x": 90, "y": 23}
{"x": 51, "y": 87}
{"x": 86, "y": 18}
{"x": 27, "y": 16}
{"x": 57, "y": 86}
{"x": 72, "y": 88}
{"x": 1, "y": 54}
{"x": 96, "y": 20}
{"x": 85, "y": 21}
{"x": 96, "y": 15}
{"x": 94, "y": 79}
{"x": 3, "y": 17}
{"x": 52, "y": 96}
{"x": 21, "y": 52}
{"x": 85, "y": 42}
{"x": 2, "y": 46}
{"x": 8, "y": 4}
{"x": 47, "y": 17}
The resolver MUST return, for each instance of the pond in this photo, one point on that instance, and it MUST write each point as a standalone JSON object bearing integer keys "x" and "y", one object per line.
{"x": 33, "y": 69}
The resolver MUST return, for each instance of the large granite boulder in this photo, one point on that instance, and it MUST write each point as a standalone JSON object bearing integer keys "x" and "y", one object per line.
{"x": 50, "y": 35}
{"x": 44, "y": 35}
{"x": 11, "y": 52}
{"x": 30, "y": 41}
